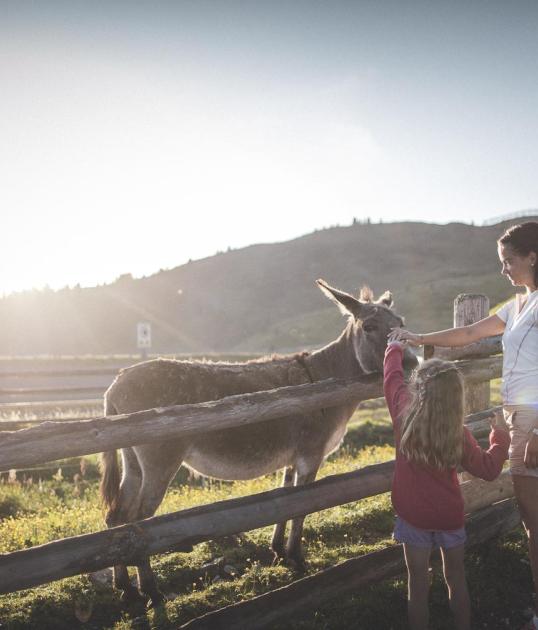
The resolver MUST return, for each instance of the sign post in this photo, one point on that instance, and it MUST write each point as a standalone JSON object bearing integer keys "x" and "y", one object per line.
{"x": 143, "y": 337}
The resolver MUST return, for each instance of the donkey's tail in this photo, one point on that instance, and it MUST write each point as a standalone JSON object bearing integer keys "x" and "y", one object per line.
{"x": 110, "y": 473}
{"x": 110, "y": 481}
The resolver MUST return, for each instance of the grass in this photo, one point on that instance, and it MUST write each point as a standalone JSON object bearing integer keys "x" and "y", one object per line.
{"x": 44, "y": 511}
{"x": 35, "y": 510}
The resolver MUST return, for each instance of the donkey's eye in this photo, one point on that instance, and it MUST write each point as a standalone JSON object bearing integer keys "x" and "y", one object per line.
{"x": 369, "y": 328}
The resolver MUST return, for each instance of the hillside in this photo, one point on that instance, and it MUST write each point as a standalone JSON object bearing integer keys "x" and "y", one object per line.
{"x": 263, "y": 298}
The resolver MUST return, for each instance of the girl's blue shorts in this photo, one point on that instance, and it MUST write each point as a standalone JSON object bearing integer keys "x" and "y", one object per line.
{"x": 404, "y": 532}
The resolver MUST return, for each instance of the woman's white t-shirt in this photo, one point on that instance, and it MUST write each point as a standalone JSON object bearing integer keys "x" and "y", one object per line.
{"x": 520, "y": 347}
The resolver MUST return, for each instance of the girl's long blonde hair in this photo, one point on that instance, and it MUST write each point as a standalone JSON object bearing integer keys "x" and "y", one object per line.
{"x": 432, "y": 425}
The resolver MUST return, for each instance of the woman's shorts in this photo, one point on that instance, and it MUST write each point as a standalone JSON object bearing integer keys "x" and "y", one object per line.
{"x": 406, "y": 533}
{"x": 521, "y": 420}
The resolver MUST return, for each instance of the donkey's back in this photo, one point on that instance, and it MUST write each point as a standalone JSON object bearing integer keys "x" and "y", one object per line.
{"x": 167, "y": 382}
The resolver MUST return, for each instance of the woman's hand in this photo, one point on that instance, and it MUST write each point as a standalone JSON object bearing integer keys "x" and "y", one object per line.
{"x": 531, "y": 452}
{"x": 497, "y": 421}
{"x": 405, "y": 336}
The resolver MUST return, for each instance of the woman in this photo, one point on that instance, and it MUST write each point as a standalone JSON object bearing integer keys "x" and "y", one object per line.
{"x": 518, "y": 322}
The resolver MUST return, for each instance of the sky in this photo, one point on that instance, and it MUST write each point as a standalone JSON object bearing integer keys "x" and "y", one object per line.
{"x": 138, "y": 135}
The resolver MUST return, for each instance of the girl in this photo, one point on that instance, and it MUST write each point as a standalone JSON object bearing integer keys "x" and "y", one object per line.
{"x": 431, "y": 441}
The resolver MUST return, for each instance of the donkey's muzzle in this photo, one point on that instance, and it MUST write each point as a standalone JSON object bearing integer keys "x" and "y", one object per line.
{"x": 410, "y": 360}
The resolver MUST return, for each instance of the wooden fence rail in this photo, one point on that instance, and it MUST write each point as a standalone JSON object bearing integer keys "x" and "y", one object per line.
{"x": 132, "y": 542}
{"x": 484, "y": 347}
{"x": 56, "y": 440}
{"x": 180, "y": 530}
{"x": 46, "y": 391}
{"x": 98, "y": 371}
{"x": 264, "y": 611}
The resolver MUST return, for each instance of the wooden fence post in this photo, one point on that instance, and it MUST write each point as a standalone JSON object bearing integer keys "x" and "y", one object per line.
{"x": 468, "y": 309}
{"x": 428, "y": 352}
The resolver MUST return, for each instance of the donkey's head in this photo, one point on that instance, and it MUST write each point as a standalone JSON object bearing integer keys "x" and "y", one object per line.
{"x": 370, "y": 323}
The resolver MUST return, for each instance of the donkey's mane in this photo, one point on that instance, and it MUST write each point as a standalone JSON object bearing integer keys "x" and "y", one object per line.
{"x": 266, "y": 358}
{"x": 269, "y": 358}
{"x": 279, "y": 357}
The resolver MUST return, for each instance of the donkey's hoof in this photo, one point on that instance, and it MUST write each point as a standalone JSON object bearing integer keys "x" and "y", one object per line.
{"x": 279, "y": 557}
{"x": 297, "y": 563}
{"x": 132, "y": 597}
{"x": 156, "y": 599}
{"x": 278, "y": 560}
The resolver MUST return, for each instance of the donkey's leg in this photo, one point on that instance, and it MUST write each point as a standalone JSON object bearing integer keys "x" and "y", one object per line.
{"x": 294, "y": 554}
{"x": 126, "y": 506}
{"x": 277, "y": 542}
{"x": 159, "y": 464}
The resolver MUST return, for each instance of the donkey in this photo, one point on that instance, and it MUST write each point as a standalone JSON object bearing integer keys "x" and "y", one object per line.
{"x": 296, "y": 445}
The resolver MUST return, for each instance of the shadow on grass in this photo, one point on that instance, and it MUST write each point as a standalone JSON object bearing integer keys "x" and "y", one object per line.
{"x": 367, "y": 433}
{"x": 500, "y": 585}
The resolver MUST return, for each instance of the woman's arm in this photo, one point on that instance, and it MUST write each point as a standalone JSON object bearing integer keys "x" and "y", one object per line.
{"x": 452, "y": 337}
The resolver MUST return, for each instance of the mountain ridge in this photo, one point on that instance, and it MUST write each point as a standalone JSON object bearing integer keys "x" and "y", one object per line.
{"x": 263, "y": 298}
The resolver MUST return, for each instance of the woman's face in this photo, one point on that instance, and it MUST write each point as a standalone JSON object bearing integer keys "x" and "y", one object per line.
{"x": 518, "y": 269}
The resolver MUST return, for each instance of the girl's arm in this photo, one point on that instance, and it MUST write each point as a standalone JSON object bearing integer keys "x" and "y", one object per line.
{"x": 394, "y": 387}
{"x": 452, "y": 337}
{"x": 485, "y": 464}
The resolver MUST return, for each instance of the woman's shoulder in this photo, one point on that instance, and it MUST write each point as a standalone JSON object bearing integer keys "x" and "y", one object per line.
{"x": 507, "y": 308}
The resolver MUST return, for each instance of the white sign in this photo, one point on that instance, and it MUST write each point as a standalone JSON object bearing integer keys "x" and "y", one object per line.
{"x": 143, "y": 334}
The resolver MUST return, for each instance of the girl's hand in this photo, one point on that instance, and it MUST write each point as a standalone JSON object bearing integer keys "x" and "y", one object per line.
{"x": 497, "y": 420}
{"x": 406, "y": 336}
{"x": 398, "y": 344}
{"x": 531, "y": 452}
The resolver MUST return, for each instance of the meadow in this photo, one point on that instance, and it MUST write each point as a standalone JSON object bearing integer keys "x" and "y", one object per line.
{"x": 62, "y": 500}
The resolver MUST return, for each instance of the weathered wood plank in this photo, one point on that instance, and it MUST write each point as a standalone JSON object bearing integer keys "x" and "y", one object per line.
{"x": 265, "y": 610}
{"x": 91, "y": 552}
{"x": 477, "y": 370}
{"x": 479, "y": 422}
{"x": 19, "y": 391}
{"x": 309, "y": 592}
{"x": 482, "y": 348}
{"x": 14, "y": 425}
{"x": 469, "y": 309}
{"x": 52, "y": 373}
{"x": 478, "y": 493}
{"x": 428, "y": 352}
{"x": 55, "y": 440}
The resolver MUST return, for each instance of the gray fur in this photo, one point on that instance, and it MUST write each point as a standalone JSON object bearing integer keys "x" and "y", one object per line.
{"x": 297, "y": 445}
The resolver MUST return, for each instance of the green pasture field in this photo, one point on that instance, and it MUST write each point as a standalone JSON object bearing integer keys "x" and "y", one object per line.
{"x": 37, "y": 507}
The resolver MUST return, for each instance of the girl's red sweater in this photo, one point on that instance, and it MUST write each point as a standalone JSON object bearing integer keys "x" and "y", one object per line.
{"x": 426, "y": 497}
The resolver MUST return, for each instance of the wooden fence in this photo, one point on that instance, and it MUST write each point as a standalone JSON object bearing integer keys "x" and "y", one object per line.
{"x": 55, "y": 385}
{"x": 67, "y": 382}
{"x": 180, "y": 530}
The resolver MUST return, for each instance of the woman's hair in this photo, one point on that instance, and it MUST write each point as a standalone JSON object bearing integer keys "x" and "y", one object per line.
{"x": 523, "y": 239}
{"x": 432, "y": 426}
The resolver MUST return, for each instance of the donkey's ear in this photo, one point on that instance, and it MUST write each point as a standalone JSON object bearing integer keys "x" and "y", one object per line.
{"x": 347, "y": 304}
{"x": 386, "y": 299}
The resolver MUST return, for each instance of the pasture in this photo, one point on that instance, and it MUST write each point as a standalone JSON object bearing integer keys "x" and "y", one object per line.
{"x": 40, "y": 506}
